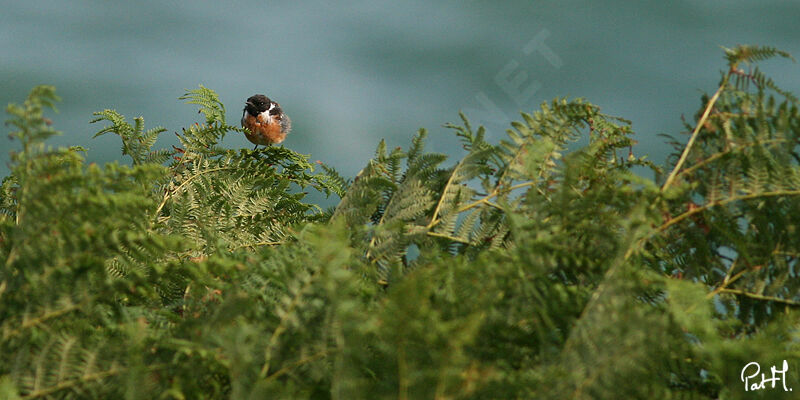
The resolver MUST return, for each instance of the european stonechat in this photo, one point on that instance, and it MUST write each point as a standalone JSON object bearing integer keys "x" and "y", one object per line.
{"x": 265, "y": 121}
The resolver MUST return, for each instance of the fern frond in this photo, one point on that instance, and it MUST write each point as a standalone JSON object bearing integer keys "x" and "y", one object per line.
{"x": 32, "y": 127}
{"x": 209, "y": 103}
{"x": 136, "y": 142}
{"x": 752, "y": 54}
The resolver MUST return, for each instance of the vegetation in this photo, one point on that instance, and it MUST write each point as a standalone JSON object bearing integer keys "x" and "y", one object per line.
{"x": 532, "y": 268}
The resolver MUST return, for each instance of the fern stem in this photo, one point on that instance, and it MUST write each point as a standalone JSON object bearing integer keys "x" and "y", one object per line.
{"x": 12, "y": 256}
{"x": 273, "y": 340}
{"x": 72, "y": 383}
{"x": 723, "y": 202}
{"x": 41, "y": 319}
{"x": 727, "y": 281}
{"x": 521, "y": 150}
{"x": 434, "y": 217}
{"x": 168, "y": 195}
{"x": 296, "y": 364}
{"x": 716, "y": 156}
{"x": 402, "y": 373}
{"x": 695, "y": 133}
{"x": 705, "y": 207}
{"x": 761, "y": 297}
{"x": 495, "y": 192}
{"x": 258, "y": 244}
{"x": 483, "y": 200}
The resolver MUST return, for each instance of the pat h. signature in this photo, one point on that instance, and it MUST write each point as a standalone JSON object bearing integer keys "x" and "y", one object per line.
{"x": 750, "y": 377}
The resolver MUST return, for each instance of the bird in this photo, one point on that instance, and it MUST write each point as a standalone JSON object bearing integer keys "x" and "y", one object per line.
{"x": 265, "y": 122}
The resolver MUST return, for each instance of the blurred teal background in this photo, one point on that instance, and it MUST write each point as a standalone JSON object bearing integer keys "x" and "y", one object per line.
{"x": 352, "y": 73}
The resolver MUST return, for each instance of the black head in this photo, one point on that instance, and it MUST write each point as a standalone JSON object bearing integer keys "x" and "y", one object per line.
{"x": 257, "y": 104}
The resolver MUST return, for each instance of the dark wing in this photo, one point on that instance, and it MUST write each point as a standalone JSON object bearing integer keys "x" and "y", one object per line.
{"x": 286, "y": 124}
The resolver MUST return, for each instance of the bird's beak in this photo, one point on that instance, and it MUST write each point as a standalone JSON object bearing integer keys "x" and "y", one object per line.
{"x": 249, "y": 103}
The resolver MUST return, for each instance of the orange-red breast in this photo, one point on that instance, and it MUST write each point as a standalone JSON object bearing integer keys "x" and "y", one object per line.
{"x": 265, "y": 121}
